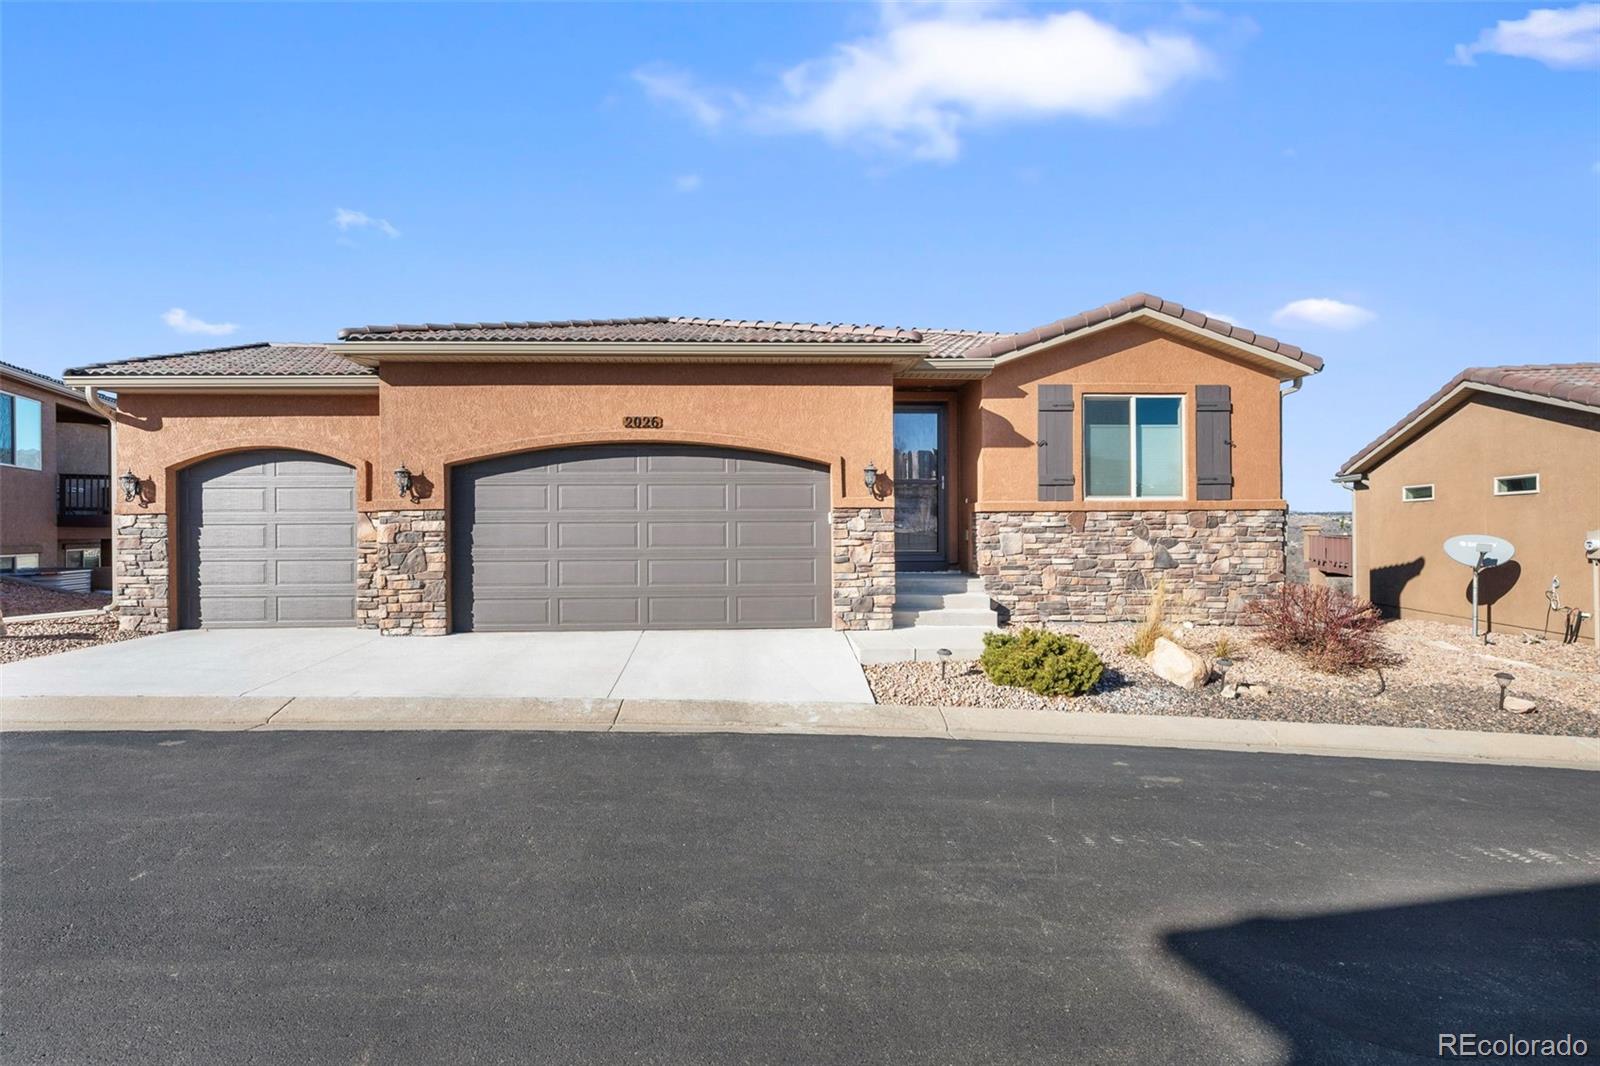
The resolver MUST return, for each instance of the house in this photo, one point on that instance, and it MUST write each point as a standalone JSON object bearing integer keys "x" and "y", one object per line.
{"x": 55, "y": 477}
{"x": 1509, "y": 451}
{"x": 700, "y": 473}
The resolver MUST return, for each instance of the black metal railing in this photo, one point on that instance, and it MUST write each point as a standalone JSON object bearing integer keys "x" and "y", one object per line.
{"x": 83, "y": 495}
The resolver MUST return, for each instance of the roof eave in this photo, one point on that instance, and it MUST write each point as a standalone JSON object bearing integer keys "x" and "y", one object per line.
{"x": 226, "y": 382}
{"x": 372, "y": 353}
{"x": 1381, "y": 448}
{"x": 1288, "y": 367}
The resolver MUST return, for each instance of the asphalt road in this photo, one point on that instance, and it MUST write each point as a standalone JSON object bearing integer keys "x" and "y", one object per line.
{"x": 566, "y": 898}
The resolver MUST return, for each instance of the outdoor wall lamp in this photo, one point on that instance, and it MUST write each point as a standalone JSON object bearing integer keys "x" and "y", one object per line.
{"x": 130, "y": 486}
{"x": 402, "y": 482}
{"x": 870, "y": 475}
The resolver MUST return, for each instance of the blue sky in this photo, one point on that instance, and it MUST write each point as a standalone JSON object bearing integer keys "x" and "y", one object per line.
{"x": 1427, "y": 175}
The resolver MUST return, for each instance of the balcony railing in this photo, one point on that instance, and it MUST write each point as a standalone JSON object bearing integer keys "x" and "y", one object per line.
{"x": 1329, "y": 553}
{"x": 83, "y": 499}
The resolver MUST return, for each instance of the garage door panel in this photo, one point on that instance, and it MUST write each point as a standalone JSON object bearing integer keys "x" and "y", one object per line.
{"x": 669, "y": 536}
{"x": 511, "y": 496}
{"x": 267, "y": 538}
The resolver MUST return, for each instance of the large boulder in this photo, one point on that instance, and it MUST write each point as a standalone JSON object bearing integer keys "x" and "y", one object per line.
{"x": 1175, "y": 663}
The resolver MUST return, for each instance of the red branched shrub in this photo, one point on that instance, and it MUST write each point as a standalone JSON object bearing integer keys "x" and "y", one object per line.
{"x": 1332, "y": 631}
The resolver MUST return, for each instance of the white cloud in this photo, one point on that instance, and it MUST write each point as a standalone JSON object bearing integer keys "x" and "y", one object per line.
{"x": 1320, "y": 311}
{"x": 687, "y": 182}
{"x": 347, "y": 220}
{"x": 1565, "y": 38}
{"x": 1219, "y": 316}
{"x": 927, "y": 75}
{"x": 184, "y": 322}
{"x": 677, "y": 89}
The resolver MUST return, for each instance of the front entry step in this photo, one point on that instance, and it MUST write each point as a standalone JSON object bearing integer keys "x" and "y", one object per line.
{"x": 946, "y": 616}
{"x": 917, "y": 643}
{"x": 932, "y": 611}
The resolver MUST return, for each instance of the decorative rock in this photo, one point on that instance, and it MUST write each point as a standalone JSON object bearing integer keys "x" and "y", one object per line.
{"x": 1520, "y": 705}
{"x": 1175, "y": 663}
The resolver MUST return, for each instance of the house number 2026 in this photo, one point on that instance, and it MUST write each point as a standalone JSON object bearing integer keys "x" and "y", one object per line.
{"x": 642, "y": 422}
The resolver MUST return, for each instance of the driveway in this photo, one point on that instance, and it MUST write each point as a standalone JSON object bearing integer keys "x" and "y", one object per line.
{"x": 607, "y": 898}
{"x": 775, "y": 665}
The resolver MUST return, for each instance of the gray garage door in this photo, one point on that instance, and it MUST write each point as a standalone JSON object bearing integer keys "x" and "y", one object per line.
{"x": 268, "y": 539}
{"x": 652, "y": 537}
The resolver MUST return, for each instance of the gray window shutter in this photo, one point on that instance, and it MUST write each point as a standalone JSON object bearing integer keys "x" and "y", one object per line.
{"x": 1213, "y": 425}
{"x": 1055, "y": 442}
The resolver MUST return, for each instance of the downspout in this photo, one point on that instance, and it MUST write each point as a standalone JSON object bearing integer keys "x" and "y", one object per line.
{"x": 1293, "y": 388}
{"x": 91, "y": 396}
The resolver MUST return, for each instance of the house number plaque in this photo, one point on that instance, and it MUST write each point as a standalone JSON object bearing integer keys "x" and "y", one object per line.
{"x": 642, "y": 422}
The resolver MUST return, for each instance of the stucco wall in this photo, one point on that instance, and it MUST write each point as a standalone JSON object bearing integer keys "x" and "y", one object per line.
{"x": 1132, "y": 358}
{"x": 438, "y": 415}
{"x": 1400, "y": 561}
{"x": 28, "y": 497}
{"x": 158, "y": 434}
{"x": 83, "y": 448}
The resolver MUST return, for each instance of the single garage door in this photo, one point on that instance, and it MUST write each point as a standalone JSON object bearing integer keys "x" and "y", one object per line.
{"x": 268, "y": 539}
{"x": 646, "y": 537}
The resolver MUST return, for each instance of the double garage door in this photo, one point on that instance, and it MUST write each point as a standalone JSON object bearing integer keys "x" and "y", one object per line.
{"x": 603, "y": 537}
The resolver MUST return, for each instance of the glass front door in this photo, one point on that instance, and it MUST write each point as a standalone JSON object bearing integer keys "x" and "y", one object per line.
{"x": 919, "y": 479}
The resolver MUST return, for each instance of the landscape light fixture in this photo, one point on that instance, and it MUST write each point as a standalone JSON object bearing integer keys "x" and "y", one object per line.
{"x": 130, "y": 486}
{"x": 870, "y": 476}
{"x": 944, "y": 659}
{"x": 402, "y": 482}
{"x": 1505, "y": 680}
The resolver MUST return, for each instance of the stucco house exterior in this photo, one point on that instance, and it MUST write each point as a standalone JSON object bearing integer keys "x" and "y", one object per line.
{"x": 55, "y": 461}
{"x": 700, "y": 473}
{"x": 1509, "y": 451}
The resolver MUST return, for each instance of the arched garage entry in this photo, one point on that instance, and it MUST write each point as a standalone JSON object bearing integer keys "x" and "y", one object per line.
{"x": 656, "y": 536}
{"x": 267, "y": 538}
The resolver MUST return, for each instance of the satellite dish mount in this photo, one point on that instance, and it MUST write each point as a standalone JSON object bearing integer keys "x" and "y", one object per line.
{"x": 1479, "y": 551}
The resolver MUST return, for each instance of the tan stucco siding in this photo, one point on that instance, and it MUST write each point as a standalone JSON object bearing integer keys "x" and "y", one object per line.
{"x": 28, "y": 497}
{"x": 1127, "y": 359}
{"x": 159, "y": 434}
{"x": 1400, "y": 561}
{"x": 435, "y": 415}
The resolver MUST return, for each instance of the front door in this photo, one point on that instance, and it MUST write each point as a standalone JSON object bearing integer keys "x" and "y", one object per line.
{"x": 919, "y": 486}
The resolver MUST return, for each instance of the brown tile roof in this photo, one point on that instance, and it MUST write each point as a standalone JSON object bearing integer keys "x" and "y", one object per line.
{"x": 1572, "y": 382}
{"x": 678, "y": 329}
{"x": 956, "y": 343}
{"x": 1128, "y": 305}
{"x": 240, "y": 360}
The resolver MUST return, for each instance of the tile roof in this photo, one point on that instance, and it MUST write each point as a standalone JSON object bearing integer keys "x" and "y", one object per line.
{"x": 1128, "y": 305}
{"x": 956, "y": 343}
{"x": 240, "y": 360}
{"x": 1572, "y": 382}
{"x": 680, "y": 329}
{"x": 44, "y": 381}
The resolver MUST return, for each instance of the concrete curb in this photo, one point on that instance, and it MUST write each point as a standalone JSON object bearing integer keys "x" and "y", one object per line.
{"x": 55, "y": 616}
{"x": 162, "y": 713}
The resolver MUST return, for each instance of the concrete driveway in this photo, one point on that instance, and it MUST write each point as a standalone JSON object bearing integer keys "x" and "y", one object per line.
{"x": 775, "y": 665}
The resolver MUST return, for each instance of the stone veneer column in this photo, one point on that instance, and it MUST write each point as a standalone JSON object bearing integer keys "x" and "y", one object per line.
{"x": 1101, "y": 566}
{"x": 140, "y": 562}
{"x": 400, "y": 573}
{"x": 863, "y": 568}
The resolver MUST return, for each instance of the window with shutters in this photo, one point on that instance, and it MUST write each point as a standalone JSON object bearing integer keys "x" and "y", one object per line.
{"x": 1133, "y": 447}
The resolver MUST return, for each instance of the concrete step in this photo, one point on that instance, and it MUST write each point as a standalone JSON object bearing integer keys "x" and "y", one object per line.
{"x": 932, "y": 601}
{"x": 906, "y": 645}
{"x": 922, "y": 582}
{"x": 944, "y": 618}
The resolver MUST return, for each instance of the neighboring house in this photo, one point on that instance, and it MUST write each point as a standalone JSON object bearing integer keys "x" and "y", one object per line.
{"x": 1510, "y": 451}
{"x": 689, "y": 472}
{"x": 55, "y": 475}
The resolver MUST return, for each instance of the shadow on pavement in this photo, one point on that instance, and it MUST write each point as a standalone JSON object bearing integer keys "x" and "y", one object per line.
{"x": 1380, "y": 985}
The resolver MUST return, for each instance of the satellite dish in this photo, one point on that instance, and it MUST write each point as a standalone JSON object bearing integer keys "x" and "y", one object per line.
{"x": 1479, "y": 551}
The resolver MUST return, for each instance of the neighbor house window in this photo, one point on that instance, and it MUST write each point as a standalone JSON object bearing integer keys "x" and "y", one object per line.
{"x": 12, "y": 563}
{"x": 21, "y": 439}
{"x": 1412, "y": 493}
{"x": 85, "y": 557}
{"x": 1516, "y": 485}
{"x": 1133, "y": 446}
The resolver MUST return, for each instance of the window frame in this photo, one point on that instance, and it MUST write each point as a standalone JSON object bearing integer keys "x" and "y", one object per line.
{"x": 1432, "y": 495}
{"x": 1498, "y": 491}
{"x": 68, "y": 549}
{"x": 15, "y": 569}
{"x": 12, "y": 398}
{"x": 1132, "y": 399}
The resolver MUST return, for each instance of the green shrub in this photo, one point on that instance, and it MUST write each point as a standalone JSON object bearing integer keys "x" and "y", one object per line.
{"x": 1051, "y": 664}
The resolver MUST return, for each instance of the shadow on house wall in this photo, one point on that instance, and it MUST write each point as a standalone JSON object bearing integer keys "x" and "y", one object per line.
{"x": 1380, "y": 985}
{"x": 1386, "y": 583}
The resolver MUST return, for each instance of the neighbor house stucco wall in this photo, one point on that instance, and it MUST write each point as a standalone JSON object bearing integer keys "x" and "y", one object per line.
{"x": 28, "y": 497}
{"x": 1131, "y": 358}
{"x": 1399, "y": 556}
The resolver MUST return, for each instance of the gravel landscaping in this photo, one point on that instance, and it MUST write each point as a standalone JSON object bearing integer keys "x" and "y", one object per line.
{"x": 1445, "y": 682}
{"x": 28, "y": 640}
{"x": 21, "y": 598}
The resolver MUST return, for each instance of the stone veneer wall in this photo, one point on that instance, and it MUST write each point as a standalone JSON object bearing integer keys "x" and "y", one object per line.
{"x": 1101, "y": 566}
{"x": 400, "y": 573}
{"x": 140, "y": 560}
{"x": 863, "y": 568}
